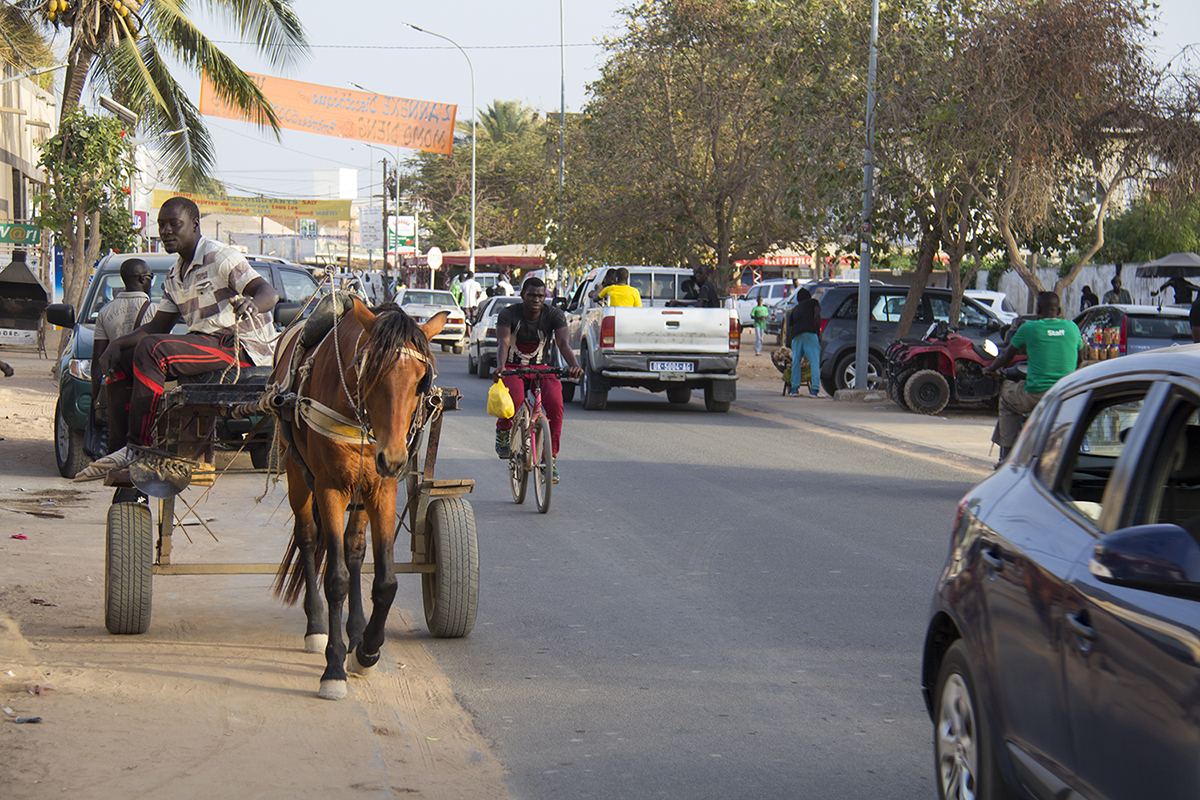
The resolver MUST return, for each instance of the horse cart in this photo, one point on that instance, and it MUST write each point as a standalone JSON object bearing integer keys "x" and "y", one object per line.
{"x": 197, "y": 414}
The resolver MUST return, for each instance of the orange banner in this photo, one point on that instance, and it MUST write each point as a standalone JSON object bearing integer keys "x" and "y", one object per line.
{"x": 366, "y": 117}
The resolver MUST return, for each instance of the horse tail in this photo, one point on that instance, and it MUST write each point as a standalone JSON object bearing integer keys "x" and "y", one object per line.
{"x": 289, "y": 578}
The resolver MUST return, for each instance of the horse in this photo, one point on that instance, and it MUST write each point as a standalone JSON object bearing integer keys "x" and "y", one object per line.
{"x": 358, "y": 391}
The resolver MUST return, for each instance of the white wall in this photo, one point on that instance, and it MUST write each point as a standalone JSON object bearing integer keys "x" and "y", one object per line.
{"x": 1099, "y": 277}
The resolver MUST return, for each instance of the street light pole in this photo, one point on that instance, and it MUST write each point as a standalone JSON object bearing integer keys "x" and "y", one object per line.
{"x": 472, "y": 68}
{"x": 861, "y": 356}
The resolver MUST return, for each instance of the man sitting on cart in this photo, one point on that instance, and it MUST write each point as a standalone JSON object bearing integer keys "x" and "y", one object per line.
{"x": 526, "y": 335}
{"x": 226, "y": 306}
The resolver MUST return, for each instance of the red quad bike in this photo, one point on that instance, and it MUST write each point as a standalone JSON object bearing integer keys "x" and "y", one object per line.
{"x": 924, "y": 375}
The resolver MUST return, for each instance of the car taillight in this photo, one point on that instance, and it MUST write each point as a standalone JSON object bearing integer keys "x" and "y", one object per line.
{"x": 1124, "y": 334}
{"x": 490, "y": 333}
{"x": 735, "y": 334}
{"x": 824, "y": 322}
{"x": 608, "y": 332}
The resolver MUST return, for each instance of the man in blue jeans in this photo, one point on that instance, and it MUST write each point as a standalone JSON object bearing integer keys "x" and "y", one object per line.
{"x": 804, "y": 335}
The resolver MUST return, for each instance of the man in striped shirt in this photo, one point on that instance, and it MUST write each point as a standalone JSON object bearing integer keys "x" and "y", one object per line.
{"x": 226, "y": 306}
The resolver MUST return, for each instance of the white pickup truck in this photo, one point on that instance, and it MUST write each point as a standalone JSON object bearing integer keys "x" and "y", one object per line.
{"x": 656, "y": 347}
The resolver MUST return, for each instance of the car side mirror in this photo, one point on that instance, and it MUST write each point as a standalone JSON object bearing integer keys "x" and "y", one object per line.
{"x": 286, "y": 313}
{"x": 560, "y": 303}
{"x": 61, "y": 314}
{"x": 994, "y": 325}
{"x": 1161, "y": 558}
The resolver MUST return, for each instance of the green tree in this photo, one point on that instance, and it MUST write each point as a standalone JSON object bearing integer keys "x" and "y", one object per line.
{"x": 127, "y": 48}
{"x": 87, "y": 164}
{"x": 1150, "y": 229}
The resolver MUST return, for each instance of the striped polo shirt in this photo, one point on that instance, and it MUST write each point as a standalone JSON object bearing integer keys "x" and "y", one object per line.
{"x": 202, "y": 295}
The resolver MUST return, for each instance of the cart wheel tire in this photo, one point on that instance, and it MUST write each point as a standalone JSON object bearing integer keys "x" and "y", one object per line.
{"x": 260, "y": 455}
{"x": 680, "y": 395}
{"x": 896, "y": 388}
{"x": 593, "y": 399}
{"x": 68, "y": 446}
{"x": 719, "y": 406}
{"x": 568, "y": 390}
{"x": 457, "y": 349}
{"x": 485, "y": 368}
{"x": 927, "y": 392}
{"x": 543, "y": 465}
{"x": 128, "y": 568}
{"x": 472, "y": 365}
{"x": 451, "y": 594}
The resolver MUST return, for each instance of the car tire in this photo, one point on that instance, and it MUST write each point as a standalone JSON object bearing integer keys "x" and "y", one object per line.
{"x": 716, "y": 406}
{"x": 568, "y": 391}
{"x": 472, "y": 365}
{"x": 485, "y": 369}
{"x": 843, "y": 375}
{"x": 964, "y": 757}
{"x": 457, "y": 349}
{"x": 896, "y": 388}
{"x": 680, "y": 395}
{"x": 68, "y": 446}
{"x": 445, "y": 348}
{"x": 592, "y": 398}
{"x": 927, "y": 392}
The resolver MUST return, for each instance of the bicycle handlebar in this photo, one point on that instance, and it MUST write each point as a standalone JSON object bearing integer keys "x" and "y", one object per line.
{"x": 529, "y": 371}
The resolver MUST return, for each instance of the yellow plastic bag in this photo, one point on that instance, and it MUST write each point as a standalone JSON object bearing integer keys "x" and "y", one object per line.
{"x": 500, "y": 402}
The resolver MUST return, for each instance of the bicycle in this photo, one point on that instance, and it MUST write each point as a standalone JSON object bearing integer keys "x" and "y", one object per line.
{"x": 531, "y": 449}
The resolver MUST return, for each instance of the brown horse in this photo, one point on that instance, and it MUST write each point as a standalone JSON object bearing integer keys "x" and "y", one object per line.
{"x": 371, "y": 371}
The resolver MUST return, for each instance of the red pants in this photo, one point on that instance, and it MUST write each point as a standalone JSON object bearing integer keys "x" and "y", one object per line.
{"x": 145, "y": 369}
{"x": 552, "y": 402}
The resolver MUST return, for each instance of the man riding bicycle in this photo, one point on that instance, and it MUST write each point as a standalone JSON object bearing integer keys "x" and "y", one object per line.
{"x": 526, "y": 335}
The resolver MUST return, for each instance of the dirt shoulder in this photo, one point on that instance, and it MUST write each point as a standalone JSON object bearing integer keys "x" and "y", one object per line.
{"x": 219, "y": 692}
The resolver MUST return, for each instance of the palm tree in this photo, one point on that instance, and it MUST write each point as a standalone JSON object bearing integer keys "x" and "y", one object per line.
{"x": 121, "y": 46}
{"x": 507, "y": 119}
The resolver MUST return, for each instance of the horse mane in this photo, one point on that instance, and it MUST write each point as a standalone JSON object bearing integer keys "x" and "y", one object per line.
{"x": 393, "y": 331}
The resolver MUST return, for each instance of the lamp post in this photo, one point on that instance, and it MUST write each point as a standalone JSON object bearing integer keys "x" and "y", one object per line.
{"x": 861, "y": 356}
{"x": 472, "y": 68}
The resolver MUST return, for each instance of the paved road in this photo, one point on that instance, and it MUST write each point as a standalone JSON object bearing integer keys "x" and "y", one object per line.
{"x": 716, "y": 606}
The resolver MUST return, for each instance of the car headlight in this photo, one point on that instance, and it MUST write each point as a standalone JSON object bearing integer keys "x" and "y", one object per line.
{"x": 80, "y": 368}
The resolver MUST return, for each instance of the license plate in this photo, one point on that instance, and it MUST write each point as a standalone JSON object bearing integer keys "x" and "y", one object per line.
{"x": 672, "y": 366}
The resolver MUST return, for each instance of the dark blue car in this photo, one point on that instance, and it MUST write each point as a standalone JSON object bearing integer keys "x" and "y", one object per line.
{"x": 1062, "y": 657}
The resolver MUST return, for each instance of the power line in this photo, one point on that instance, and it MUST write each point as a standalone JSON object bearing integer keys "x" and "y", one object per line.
{"x": 425, "y": 47}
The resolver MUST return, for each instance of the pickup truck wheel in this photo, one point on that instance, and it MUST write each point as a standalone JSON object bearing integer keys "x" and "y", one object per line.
{"x": 593, "y": 399}
{"x": 68, "y": 446}
{"x": 680, "y": 394}
{"x": 719, "y": 406}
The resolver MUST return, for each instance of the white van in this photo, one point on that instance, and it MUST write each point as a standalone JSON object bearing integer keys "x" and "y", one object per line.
{"x": 772, "y": 290}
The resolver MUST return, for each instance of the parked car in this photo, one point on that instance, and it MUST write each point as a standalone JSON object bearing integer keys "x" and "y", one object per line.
{"x": 772, "y": 291}
{"x": 481, "y": 344}
{"x": 1138, "y": 328}
{"x": 778, "y": 316}
{"x": 421, "y": 304}
{"x": 293, "y": 283}
{"x": 1062, "y": 652}
{"x": 839, "y": 332}
{"x": 996, "y": 301}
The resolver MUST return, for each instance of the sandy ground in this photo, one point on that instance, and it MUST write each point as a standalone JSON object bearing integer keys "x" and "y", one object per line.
{"x": 218, "y": 698}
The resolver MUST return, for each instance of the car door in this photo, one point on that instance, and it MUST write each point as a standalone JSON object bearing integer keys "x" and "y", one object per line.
{"x": 1029, "y": 553}
{"x": 1132, "y": 656}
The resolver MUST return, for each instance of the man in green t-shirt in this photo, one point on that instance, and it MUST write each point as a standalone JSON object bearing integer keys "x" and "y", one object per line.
{"x": 758, "y": 316}
{"x": 1052, "y": 348}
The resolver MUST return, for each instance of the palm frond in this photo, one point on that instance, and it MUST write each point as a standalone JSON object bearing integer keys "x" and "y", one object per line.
{"x": 270, "y": 24}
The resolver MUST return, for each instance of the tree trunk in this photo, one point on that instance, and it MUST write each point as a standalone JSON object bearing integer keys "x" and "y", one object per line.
{"x": 931, "y": 238}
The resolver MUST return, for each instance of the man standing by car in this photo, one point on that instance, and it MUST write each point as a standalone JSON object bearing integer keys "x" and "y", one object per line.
{"x": 121, "y": 315}
{"x": 758, "y": 317}
{"x": 804, "y": 336}
{"x": 526, "y": 335}
{"x": 1118, "y": 295}
{"x": 226, "y": 306}
{"x": 472, "y": 293}
{"x": 1053, "y": 348}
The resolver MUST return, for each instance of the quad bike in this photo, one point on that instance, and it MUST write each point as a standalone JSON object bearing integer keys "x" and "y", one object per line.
{"x": 924, "y": 375}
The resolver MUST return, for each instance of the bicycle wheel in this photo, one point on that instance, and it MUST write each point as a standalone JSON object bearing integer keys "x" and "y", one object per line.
{"x": 543, "y": 465}
{"x": 518, "y": 477}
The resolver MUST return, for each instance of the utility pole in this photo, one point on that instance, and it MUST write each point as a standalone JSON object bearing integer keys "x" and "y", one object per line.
{"x": 386, "y": 232}
{"x": 861, "y": 355}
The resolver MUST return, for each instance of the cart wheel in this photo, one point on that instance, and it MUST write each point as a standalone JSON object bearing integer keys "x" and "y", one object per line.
{"x": 543, "y": 465}
{"x": 451, "y": 594}
{"x": 128, "y": 568}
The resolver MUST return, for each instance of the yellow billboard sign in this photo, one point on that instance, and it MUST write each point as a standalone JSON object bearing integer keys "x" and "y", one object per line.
{"x": 363, "y": 116}
{"x": 261, "y": 206}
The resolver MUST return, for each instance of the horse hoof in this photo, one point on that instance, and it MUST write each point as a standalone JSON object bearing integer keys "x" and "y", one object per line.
{"x": 315, "y": 642}
{"x": 360, "y": 668}
{"x": 332, "y": 690}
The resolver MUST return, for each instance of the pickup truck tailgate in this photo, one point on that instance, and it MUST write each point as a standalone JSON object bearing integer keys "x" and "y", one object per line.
{"x": 670, "y": 330}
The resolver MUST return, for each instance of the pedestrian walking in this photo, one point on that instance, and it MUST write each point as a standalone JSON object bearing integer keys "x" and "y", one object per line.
{"x": 758, "y": 317}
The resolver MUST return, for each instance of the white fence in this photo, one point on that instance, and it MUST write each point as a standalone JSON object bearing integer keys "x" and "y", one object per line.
{"x": 1099, "y": 277}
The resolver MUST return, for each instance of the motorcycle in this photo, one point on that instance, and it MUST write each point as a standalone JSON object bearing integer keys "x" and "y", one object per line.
{"x": 927, "y": 374}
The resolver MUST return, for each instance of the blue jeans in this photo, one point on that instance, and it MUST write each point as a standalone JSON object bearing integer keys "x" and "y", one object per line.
{"x": 758, "y": 339}
{"x": 806, "y": 345}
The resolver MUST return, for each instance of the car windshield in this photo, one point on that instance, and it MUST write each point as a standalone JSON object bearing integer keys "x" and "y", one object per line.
{"x": 501, "y": 302}
{"x": 428, "y": 298}
{"x": 110, "y": 286}
{"x": 1160, "y": 328}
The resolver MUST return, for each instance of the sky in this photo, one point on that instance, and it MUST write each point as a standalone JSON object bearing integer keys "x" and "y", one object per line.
{"x": 515, "y": 54}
